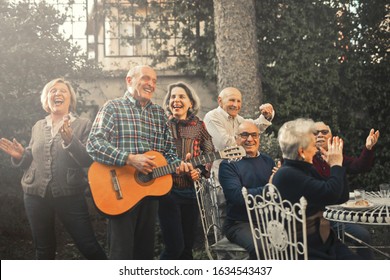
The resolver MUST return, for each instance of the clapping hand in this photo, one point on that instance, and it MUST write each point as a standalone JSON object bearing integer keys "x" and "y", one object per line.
{"x": 334, "y": 155}
{"x": 14, "y": 148}
{"x": 372, "y": 138}
{"x": 66, "y": 131}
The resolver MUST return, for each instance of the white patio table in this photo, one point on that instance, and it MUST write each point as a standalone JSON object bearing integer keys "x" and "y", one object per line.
{"x": 377, "y": 214}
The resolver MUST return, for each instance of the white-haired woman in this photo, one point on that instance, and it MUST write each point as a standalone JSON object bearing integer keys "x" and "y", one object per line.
{"x": 54, "y": 182}
{"x": 297, "y": 177}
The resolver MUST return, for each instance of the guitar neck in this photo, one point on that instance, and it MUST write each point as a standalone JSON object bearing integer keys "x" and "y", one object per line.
{"x": 171, "y": 168}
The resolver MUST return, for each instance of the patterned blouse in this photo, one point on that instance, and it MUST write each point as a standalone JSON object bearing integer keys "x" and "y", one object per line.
{"x": 190, "y": 136}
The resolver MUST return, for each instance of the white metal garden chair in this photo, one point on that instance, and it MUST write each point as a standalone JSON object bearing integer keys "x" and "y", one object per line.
{"x": 216, "y": 244}
{"x": 278, "y": 226}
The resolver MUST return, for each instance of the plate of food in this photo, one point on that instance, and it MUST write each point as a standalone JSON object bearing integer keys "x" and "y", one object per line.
{"x": 357, "y": 205}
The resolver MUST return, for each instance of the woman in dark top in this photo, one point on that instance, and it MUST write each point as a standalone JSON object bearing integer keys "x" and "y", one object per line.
{"x": 178, "y": 211}
{"x": 297, "y": 177}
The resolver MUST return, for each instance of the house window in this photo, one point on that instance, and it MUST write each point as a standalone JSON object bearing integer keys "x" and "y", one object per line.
{"x": 75, "y": 25}
{"x": 140, "y": 28}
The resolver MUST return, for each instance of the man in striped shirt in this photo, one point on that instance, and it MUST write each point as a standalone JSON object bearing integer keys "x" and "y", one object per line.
{"x": 124, "y": 129}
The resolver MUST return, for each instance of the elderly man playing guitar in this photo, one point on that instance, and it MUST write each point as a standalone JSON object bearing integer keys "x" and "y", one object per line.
{"x": 124, "y": 130}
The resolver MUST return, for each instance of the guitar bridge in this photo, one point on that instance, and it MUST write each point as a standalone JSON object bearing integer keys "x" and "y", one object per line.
{"x": 115, "y": 184}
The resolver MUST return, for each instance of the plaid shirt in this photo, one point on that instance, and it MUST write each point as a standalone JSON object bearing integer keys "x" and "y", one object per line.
{"x": 123, "y": 127}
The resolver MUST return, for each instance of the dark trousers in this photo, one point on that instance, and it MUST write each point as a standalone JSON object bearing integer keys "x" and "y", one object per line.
{"x": 72, "y": 211}
{"x": 359, "y": 232}
{"x": 179, "y": 222}
{"x": 240, "y": 233}
{"x": 331, "y": 249}
{"x": 131, "y": 235}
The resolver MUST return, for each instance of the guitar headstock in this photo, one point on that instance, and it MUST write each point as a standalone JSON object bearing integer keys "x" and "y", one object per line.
{"x": 231, "y": 153}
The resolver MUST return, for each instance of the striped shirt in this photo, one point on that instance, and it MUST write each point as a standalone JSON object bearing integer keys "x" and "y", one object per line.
{"x": 122, "y": 127}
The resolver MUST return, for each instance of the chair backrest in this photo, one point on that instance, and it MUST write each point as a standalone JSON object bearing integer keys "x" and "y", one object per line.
{"x": 211, "y": 211}
{"x": 278, "y": 226}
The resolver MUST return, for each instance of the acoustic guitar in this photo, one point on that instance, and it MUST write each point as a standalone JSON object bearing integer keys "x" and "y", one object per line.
{"x": 117, "y": 189}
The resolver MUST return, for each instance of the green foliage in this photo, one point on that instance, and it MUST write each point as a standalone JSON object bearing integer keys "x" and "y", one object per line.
{"x": 298, "y": 59}
{"x": 304, "y": 76}
{"x": 32, "y": 53}
{"x": 196, "y": 18}
{"x": 189, "y": 21}
{"x": 270, "y": 146}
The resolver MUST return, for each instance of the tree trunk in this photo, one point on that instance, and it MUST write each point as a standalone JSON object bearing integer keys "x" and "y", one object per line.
{"x": 237, "y": 53}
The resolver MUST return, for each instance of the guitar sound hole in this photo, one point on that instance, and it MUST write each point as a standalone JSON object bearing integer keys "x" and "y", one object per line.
{"x": 143, "y": 179}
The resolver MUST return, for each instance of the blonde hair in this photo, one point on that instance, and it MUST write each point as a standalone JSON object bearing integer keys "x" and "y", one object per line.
{"x": 45, "y": 94}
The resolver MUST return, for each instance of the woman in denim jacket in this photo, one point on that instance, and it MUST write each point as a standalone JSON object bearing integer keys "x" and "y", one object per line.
{"x": 54, "y": 181}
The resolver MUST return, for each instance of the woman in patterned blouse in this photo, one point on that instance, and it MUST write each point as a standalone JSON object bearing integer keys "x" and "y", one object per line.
{"x": 178, "y": 211}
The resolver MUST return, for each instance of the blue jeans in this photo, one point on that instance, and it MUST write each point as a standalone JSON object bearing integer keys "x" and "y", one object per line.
{"x": 72, "y": 211}
{"x": 131, "y": 235}
{"x": 179, "y": 222}
{"x": 359, "y": 232}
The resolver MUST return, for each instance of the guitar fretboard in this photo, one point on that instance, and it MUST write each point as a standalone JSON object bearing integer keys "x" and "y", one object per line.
{"x": 171, "y": 168}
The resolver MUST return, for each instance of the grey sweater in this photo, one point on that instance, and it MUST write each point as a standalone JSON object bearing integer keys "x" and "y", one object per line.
{"x": 49, "y": 165}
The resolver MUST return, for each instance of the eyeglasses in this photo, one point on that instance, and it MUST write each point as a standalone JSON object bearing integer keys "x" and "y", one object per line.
{"x": 245, "y": 135}
{"x": 323, "y": 131}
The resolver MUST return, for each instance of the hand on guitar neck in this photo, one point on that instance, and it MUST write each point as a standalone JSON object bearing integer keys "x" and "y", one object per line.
{"x": 185, "y": 166}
